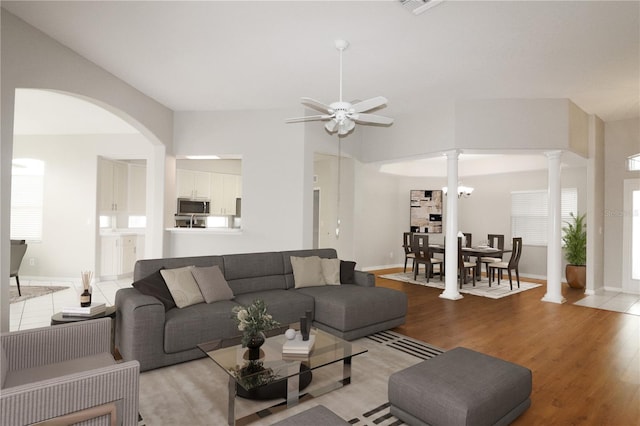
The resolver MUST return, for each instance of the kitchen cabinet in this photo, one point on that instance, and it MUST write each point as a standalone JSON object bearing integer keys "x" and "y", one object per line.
{"x": 193, "y": 184}
{"x": 137, "y": 190}
{"x": 113, "y": 181}
{"x": 225, "y": 188}
{"x": 118, "y": 255}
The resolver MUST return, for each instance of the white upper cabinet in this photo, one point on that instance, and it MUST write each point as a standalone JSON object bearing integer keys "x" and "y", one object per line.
{"x": 193, "y": 184}
{"x": 137, "y": 193}
{"x": 225, "y": 189}
{"x": 113, "y": 181}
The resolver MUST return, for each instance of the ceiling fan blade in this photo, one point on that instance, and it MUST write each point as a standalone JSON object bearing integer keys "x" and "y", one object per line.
{"x": 371, "y": 118}
{"x": 368, "y": 104}
{"x": 308, "y": 118}
{"x": 317, "y": 105}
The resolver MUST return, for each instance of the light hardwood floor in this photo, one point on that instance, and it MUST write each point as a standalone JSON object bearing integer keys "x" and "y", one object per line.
{"x": 585, "y": 361}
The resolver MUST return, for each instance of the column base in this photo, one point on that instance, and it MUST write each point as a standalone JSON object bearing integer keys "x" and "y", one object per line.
{"x": 450, "y": 296}
{"x": 553, "y": 299}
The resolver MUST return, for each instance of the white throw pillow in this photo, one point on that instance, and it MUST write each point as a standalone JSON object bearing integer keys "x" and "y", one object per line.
{"x": 182, "y": 286}
{"x": 307, "y": 271}
{"x": 212, "y": 284}
{"x": 331, "y": 271}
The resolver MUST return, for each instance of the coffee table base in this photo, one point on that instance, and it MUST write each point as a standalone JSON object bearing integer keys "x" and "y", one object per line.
{"x": 277, "y": 389}
{"x": 294, "y": 396}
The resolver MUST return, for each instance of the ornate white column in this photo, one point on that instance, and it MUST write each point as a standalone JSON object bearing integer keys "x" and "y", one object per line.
{"x": 554, "y": 236}
{"x": 451, "y": 245}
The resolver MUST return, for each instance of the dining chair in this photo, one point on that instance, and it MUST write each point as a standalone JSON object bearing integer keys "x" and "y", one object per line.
{"x": 464, "y": 266}
{"x": 495, "y": 241}
{"x": 511, "y": 265}
{"x": 406, "y": 244}
{"x": 467, "y": 243}
{"x": 420, "y": 249}
{"x": 18, "y": 249}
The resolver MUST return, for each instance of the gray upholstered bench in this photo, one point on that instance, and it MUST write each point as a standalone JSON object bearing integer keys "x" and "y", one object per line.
{"x": 315, "y": 416}
{"x": 460, "y": 387}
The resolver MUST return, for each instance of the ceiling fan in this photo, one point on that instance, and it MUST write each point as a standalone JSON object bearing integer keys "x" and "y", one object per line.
{"x": 342, "y": 116}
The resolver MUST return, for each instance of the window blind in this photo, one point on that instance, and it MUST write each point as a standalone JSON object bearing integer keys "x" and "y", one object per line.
{"x": 27, "y": 183}
{"x": 530, "y": 210}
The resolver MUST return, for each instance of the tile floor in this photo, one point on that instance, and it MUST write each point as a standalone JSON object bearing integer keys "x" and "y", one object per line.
{"x": 612, "y": 301}
{"x": 37, "y": 311}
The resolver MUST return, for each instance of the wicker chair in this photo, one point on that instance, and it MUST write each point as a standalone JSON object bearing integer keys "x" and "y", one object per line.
{"x": 65, "y": 374}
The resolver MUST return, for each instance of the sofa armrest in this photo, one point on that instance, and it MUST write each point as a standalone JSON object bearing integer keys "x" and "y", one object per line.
{"x": 139, "y": 326}
{"x": 47, "y": 345}
{"x": 38, "y": 401}
{"x": 364, "y": 279}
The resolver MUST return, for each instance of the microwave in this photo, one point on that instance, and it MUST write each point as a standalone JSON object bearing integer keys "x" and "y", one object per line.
{"x": 187, "y": 206}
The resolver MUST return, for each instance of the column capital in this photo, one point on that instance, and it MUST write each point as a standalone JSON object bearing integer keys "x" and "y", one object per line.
{"x": 553, "y": 154}
{"x": 452, "y": 153}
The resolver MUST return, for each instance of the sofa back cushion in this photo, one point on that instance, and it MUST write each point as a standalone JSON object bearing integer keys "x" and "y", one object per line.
{"x": 249, "y": 272}
{"x": 147, "y": 267}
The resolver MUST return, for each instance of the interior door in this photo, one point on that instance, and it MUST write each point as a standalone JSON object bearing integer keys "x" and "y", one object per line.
{"x": 631, "y": 237}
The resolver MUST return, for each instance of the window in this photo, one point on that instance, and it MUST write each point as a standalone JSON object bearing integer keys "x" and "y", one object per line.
{"x": 529, "y": 214}
{"x": 27, "y": 183}
{"x": 633, "y": 163}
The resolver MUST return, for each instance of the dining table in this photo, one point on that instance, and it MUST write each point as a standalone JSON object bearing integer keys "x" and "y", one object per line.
{"x": 478, "y": 252}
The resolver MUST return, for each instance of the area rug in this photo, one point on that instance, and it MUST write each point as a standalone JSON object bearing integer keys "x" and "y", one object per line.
{"x": 31, "y": 291}
{"x": 195, "y": 392}
{"x": 480, "y": 289}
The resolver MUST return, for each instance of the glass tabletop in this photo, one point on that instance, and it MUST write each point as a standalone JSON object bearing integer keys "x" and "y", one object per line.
{"x": 273, "y": 366}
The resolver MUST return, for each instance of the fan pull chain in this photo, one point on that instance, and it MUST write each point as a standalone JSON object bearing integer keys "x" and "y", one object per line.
{"x": 338, "y": 198}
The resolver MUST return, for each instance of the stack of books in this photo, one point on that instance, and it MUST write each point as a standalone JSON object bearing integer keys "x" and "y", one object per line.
{"x": 87, "y": 311}
{"x": 297, "y": 346}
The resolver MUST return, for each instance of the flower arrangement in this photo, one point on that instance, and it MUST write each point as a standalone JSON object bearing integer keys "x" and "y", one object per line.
{"x": 253, "y": 320}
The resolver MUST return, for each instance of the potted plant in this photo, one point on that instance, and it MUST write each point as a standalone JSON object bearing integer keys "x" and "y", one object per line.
{"x": 575, "y": 251}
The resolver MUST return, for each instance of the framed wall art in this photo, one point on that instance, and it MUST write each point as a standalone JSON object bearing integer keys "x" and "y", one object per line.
{"x": 425, "y": 210}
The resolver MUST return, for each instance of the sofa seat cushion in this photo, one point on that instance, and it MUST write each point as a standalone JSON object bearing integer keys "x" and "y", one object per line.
{"x": 348, "y": 307}
{"x": 285, "y": 306}
{"x": 185, "y": 328}
{"x": 58, "y": 369}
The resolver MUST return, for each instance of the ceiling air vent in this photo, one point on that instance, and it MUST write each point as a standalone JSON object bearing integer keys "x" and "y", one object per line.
{"x": 419, "y": 6}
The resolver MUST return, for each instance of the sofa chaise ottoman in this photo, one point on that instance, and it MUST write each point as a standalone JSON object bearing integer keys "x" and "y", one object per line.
{"x": 460, "y": 387}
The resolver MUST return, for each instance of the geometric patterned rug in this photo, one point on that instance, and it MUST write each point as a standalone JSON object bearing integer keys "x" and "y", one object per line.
{"x": 195, "y": 392}
{"x": 481, "y": 288}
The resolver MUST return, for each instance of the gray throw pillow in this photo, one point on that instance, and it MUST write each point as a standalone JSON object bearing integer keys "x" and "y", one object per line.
{"x": 183, "y": 286}
{"x": 307, "y": 271}
{"x": 331, "y": 271}
{"x": 212, "y": 284}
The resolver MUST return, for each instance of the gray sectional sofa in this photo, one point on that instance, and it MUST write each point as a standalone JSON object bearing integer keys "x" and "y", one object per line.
{"x": 155, "y": 336}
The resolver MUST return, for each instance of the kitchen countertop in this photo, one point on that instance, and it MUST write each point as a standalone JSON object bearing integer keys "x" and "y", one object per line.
{"x": 121, "y": 231}
{"x": 226, "y": 231}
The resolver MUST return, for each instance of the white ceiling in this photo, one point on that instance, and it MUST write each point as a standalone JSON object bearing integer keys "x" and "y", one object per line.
{"x": 216, "y": 55}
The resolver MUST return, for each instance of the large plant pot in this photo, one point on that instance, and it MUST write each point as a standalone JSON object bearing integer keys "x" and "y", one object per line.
{"x": 576, "y": 276}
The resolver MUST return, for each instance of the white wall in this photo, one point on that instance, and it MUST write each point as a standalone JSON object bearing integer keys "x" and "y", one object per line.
{"x": 622, "y": 139}
{"x": 512, "y": 124}
{"x": 30, "y": 59}
{"x": 70, "y": 185}
{"x": 382, "y": 212}
{"x": 275, "y": 178}
{"x": 420, "y": 133}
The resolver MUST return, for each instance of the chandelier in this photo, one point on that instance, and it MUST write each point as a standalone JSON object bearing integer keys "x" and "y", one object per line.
{"x": 463, "y": 191}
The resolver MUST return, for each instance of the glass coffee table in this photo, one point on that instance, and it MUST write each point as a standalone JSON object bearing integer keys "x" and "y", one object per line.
{"x": 277, "y": 376}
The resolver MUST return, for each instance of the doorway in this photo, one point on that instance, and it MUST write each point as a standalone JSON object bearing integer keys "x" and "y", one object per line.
{"x": 631, "y": 237}
{"x": 316, "y": 218}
